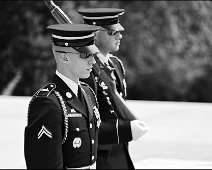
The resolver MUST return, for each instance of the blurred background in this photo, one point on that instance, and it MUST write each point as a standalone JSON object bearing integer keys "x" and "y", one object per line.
{"x": 166, "y": 47}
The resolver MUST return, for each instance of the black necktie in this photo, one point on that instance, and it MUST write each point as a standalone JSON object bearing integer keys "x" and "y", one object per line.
{"x": 80, "y": 96}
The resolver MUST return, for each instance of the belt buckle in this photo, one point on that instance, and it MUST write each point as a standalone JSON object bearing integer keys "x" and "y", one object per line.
{"x": 93, "y": 166}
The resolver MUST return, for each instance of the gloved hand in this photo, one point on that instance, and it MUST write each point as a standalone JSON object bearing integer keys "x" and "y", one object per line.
{"x": 138, "y": 128}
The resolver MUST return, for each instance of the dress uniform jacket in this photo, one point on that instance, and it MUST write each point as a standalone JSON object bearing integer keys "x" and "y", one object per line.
{"x": 114, "y": 133}
{"x": 61, "y": 132}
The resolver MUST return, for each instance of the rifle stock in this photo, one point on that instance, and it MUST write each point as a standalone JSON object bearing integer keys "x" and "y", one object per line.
{"x": 121, "y": 108}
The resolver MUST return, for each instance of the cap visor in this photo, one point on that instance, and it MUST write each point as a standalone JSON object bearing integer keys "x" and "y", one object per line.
{"x": 64, "y": 49}
{"x": 116, "y": 27}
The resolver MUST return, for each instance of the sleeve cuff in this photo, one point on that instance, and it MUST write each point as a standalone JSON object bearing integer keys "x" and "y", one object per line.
{"x": 124, "y": 131}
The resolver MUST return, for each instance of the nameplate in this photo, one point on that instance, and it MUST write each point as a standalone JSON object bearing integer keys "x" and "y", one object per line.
{"x": 75, "y": 115}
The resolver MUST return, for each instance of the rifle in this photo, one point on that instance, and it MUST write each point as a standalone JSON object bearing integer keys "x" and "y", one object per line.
{"x": 58, "y": 14}
{"x": 106, "y": 75}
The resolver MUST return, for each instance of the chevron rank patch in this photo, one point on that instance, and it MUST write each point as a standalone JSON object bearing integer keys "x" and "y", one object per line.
{"x": 44, "y": 131}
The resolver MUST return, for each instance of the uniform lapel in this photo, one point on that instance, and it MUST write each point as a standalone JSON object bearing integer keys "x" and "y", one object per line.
{"x": 71, "y": 99}
{"x": 76, "y": 104}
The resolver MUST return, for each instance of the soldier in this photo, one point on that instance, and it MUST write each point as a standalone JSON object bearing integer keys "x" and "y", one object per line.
{"x": 63, "y": 118}
{"x": 114, "y": 133}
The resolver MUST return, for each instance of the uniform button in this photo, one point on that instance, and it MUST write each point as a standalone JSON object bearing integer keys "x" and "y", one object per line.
{"x": 91, "y": 126}
{"x": 92, "y": 157}
{"x": 92, "y": 141}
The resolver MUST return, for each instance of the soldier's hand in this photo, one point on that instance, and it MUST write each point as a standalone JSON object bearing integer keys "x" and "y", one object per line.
{"x": 138, "y": 128}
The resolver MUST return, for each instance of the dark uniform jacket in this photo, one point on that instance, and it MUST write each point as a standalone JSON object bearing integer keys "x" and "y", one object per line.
{"x": 114, "y": 133}
{"x": 61, "y": 132}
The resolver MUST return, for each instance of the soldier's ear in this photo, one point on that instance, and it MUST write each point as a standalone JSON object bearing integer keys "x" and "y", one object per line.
{"x": 63, "y": 57}
{"x": 95, "y": 35}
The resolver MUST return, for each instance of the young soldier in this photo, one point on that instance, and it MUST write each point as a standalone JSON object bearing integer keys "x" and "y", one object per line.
{"x": 114, "y": 133}
{"x": 63, "y": 118}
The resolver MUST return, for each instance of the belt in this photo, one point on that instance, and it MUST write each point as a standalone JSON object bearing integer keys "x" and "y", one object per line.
{"x": 93, "y": 166}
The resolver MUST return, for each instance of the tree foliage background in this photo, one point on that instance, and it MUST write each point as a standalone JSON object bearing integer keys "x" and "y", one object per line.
{"x": 166, "y": 47}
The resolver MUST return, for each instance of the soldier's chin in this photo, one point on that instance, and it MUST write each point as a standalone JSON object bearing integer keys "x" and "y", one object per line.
{"x": 85, "y": 76}
{"x": 117, "y": 48}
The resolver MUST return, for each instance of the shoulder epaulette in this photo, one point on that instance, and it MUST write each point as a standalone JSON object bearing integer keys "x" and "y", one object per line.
{"x": 42, "y": 92}
{"x": 46, "y": 90}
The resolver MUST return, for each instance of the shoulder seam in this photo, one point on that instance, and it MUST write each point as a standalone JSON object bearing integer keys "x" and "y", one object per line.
{"x": 45, "y": 90}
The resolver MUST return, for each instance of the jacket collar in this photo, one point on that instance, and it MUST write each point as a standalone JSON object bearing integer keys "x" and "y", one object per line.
{"x": 68, "y": 95}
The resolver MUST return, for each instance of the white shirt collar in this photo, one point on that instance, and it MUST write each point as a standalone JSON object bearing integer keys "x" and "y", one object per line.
{"x": 103, "y": 59}
{"x": 70, "y": 83}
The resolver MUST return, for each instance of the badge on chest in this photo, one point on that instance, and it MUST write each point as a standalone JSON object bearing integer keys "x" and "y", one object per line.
{"x": 77, "y": 142}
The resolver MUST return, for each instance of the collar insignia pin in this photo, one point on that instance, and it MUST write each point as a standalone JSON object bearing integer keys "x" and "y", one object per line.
{"x": 69, "y": 95}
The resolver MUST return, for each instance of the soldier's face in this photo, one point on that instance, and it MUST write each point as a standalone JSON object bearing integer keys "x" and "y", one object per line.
{"x": 76, "y": 67}
{"x": 81, "y": 67}
{"x": 107, "y": 42}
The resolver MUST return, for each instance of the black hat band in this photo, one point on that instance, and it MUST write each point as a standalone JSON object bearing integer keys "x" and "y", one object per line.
{"x": 100, "y": 22}
{"x": 73, "y": 43}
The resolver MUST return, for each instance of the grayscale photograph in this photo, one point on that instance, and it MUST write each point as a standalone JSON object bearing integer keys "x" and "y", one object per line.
{"x": 105, "y": 84}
